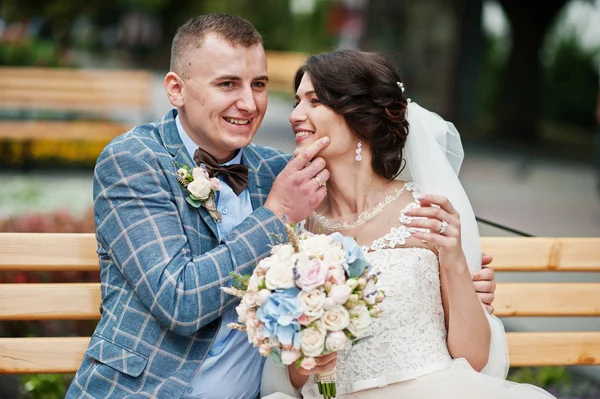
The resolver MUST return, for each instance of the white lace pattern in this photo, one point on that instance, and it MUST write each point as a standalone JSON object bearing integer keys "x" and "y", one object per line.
{"x": 411, "y": 334}
{"x": 410, "y": 337}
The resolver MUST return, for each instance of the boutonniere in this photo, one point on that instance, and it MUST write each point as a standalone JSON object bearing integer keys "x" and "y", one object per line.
{"x": 201, "y": 188}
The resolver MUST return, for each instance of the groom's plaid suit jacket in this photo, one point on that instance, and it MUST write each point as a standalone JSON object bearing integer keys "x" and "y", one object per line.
{"x": 161, "y": 264}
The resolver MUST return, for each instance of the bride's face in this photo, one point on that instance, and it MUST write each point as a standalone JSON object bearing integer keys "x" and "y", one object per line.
{"x": 312, "y": 120}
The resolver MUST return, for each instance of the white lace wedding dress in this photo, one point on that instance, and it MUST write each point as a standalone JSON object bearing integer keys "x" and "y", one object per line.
{"x": 407, "y": 356}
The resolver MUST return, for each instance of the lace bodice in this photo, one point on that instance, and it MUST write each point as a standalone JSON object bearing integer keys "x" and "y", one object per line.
{"x": 409, "y": 339}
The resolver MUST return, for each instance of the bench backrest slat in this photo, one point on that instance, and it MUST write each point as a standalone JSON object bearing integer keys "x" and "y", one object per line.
{"x": 66, "y": 89}
{"x": 543, "y": 253}
{"x": 48, "y": 252}
{"x": 553, "y": 348}
{"x": 65, "y": 301}
{"x": 42, "y": 251}
{"x": 63, "y": 355}
{"x": 80, "y": 301}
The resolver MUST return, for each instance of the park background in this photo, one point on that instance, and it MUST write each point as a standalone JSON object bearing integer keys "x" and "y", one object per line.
{"x": 520, "y": 82}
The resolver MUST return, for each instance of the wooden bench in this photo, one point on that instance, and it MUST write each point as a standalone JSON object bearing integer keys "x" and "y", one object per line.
{"x": 99, "y": 103}
{"x": 80, "y": 301}
{"x": 94, "y": 99}
{"x": 281, "y": 67}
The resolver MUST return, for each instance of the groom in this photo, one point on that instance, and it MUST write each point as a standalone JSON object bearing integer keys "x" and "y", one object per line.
{"x": 163, "y": 330}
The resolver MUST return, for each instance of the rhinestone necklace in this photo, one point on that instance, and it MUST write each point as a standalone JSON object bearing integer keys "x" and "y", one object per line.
{"x": 362, "y": 218}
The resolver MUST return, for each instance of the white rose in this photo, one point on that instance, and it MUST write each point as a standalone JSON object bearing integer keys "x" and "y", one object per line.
{"x": 264, "y": 265}
{"x": 340, "y": 293}
{"x": 370, "y": 293}
{"x": 249, "y": 299}
{"x": 283, "y": 253}
{"x": 336, "y": 274}
{"x": 199, "y": 174}
{"x": 329, "y": 304}
{"x": 312, "y": 303}
{"x": 334, "y": 255}
{"x": 253, "y": 283}
{"x": 313, "y": 246}
{"x": 312, "y": 341}
{"x": 336, "y": 319}
{"x": 360, "y": 320}
{"x": 289, "y": 356}
{"x": 252, "y": 326}
{"x": 262, "y": 296}
{"x": 200, "y": 188}
{"x": 336, "y": 341}
{"x": 242, "y": 310}
{"x": 279, "y": 276}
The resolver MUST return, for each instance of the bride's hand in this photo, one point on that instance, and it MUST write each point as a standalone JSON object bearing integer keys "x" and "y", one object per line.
{"x": 443, "y": 222}
{"x": 299, "y": 375}
{"x": 324, "y": 363}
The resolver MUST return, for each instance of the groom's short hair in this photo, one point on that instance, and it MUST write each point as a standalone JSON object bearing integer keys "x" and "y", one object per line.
{"x": 189, "y": 36}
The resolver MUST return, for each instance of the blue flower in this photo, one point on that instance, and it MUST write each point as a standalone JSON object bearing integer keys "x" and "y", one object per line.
{"x": 355, "y": 258}
{"x": 279, "y": 316}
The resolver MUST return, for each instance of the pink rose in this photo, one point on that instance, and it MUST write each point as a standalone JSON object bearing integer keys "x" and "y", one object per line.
{"x": 264, "y": 350}
{"x": 304, "y": 320}
{"x": 311, "y": 274}
{"x": 289, "y": 356}
{"x": 308, "y": 363}
{"x": 215, "y": 183}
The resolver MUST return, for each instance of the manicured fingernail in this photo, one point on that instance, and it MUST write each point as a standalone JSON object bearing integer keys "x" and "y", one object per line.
{"x": 326, "y": 140}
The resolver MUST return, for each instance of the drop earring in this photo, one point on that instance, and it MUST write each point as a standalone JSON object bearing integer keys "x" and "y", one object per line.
{"x": 358, "y": 151}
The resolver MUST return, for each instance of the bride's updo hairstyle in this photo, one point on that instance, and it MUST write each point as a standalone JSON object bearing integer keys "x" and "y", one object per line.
{"x": 366, "y": 89}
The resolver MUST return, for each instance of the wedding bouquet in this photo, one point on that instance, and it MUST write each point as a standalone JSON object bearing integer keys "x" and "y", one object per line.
{"x": 312, "y": 296}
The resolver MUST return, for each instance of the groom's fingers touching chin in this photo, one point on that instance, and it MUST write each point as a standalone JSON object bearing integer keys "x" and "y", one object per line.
{"x": 304, "y": 156}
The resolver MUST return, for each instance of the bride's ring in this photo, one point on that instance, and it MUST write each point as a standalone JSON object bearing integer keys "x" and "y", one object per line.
{"x": 444, "y": 227}
{"x": 321, "y": 184}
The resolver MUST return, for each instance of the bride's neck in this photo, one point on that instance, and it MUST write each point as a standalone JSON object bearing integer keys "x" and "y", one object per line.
{"x": 352, "y": 188}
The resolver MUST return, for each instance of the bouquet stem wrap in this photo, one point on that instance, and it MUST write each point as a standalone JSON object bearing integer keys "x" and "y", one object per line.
{"x": 326, "y": 384}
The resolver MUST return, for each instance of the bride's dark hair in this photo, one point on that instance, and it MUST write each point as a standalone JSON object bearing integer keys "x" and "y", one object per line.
{"x": 364, "y": 88}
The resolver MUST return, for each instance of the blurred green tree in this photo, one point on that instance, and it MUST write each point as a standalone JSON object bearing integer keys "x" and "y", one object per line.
{"x": 281, "y": 28}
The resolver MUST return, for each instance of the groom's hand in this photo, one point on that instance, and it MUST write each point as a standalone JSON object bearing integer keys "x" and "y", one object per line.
{"x": 300, "y": 187}
{"x": 485, "y": 284}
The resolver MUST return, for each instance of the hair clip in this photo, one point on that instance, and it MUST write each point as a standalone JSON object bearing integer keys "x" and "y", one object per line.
{"x": 401, "y": 86}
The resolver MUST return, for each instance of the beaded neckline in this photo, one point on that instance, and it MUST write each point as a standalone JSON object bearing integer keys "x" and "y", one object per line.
{"x": 365, "y": 216}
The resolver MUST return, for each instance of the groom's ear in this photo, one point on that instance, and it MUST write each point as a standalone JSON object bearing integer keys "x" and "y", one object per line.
{"x": 174, "y": 87}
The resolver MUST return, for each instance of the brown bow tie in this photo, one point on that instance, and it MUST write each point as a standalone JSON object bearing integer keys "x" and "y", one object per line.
{"x": 236, "y": 176}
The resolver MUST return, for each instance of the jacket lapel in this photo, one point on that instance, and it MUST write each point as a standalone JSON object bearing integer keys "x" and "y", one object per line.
{"x": 175, "y": 147}
{"x": 260, "y": 180}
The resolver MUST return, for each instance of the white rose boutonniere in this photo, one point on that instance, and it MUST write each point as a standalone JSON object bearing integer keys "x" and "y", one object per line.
{"x": 201, "y": 188}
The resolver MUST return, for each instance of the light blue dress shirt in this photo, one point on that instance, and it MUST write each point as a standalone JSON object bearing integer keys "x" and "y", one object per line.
{"x": 232, "y": 368}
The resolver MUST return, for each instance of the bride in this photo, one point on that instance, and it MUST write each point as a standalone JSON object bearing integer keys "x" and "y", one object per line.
{"x": 416, "y": 225}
